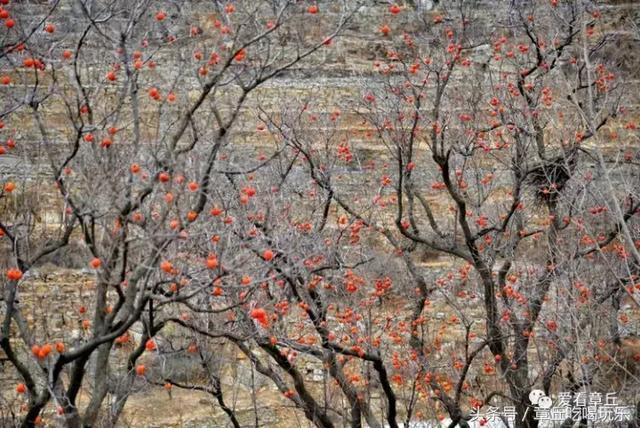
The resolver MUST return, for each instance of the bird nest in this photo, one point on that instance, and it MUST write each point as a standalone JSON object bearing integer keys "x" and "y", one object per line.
{"x": 550, "y": 178}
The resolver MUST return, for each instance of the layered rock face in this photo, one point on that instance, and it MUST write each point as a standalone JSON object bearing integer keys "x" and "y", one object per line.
{"x": 339, "y": 74}
{"x": 328, "y": 82}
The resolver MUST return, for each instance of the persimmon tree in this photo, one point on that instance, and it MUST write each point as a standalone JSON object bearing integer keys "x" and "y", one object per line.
{"x": 130, "y": 106}
{"x": 501, "y": 150}
{"x": 497, "y": 158}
